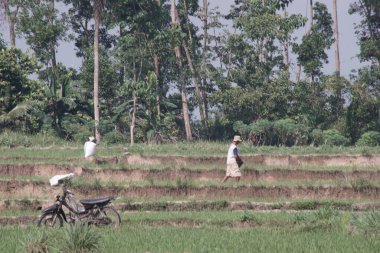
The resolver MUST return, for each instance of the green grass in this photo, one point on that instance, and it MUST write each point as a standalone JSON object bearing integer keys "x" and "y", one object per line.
{"x": 207, "y": 216}
{"x": 184, "y": 183}
{"x": 203, "y": 148}
{"x": 189, "y": 149}
{"x": 208, "y": 239}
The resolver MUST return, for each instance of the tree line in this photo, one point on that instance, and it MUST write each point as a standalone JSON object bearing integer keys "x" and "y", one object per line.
{"x": 167, "y": 70}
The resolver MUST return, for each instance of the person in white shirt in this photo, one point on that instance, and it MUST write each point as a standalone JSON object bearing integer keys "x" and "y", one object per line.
{"x": 89, "y": 147}
{"x": 233, "y": 160}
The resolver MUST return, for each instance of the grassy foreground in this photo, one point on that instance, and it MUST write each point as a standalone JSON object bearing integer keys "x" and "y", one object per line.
{"x": 205, "y": 239}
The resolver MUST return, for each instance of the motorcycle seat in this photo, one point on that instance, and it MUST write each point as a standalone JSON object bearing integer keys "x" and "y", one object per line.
{"x": 96, "y": 200}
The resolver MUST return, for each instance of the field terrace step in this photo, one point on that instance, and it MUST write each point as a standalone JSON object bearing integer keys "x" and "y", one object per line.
{"x": 38, "y": 205}
{"x": 260, "y": 159}
{"x": 39, "y": 189}
{"x": 283, "y": 160}
{"x": 265, "y": 175}
{"x": 48, "y": 170}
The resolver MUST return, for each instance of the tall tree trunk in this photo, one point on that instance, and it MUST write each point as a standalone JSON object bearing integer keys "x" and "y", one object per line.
{"x": 53, "y": 60}
{"x": 311, "y": 24}
{"x": 182, "y": 85}
{"x": 337, "y": 59}
{"x": 133, "y": 121}
{"x": 122, "y": 67}
{"x": 11, "y": 17}
{"x": 204, "y": 55}
{"x": 12, "y": 36}
{"x": 310, "y": 9}
{"x": 336, "y": 37}
{"x": 196, "y": 85}
{"x": 194, "y": 76}
{"x": 286, "y": 47}
{"x": 156, "y": 64}
{"x": 98, "y": 5}
{"x": 311, "y": 14}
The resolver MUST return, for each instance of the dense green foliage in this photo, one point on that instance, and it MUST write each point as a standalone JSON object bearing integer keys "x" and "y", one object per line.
{"x": 234, "y": 81}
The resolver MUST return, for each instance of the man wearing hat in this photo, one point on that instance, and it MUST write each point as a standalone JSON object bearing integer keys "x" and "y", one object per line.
{"x": 233, "y": 160}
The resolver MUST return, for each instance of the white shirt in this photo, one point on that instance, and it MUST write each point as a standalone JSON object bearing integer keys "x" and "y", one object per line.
{"x": 230, "y": 154}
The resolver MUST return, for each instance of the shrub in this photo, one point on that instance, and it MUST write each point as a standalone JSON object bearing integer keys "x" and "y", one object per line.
{"x": 183, "y": 183}
{"x": 332, "y": 137}
{"x": 38, "y": 243}
{"x": 286, "y": 131}
{"x": 317, "y": 137}
{"x": 248, "y": 217}
{"x": 305, "y": 205}
{"x": 371, "y": 138}
{"x": 261, "y": 132}
{"x": 113, "y": 138}
{"x": 13, "y": 139}
{"x": 367, "y": 222}
{"x": 360, "y": 183}
{"x": 80, "y": 238}
{"x": 220, "y": 128}
{"x": 242, "y": 129}
{"x": 300, "y": 217}
{"x": 326, "y": 213}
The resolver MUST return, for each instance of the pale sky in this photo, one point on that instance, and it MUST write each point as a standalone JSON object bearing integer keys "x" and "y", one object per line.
{"x": 348, "y": 41}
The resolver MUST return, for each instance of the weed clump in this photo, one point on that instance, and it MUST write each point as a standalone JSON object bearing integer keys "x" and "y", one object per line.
{"x": 368, "y": 222}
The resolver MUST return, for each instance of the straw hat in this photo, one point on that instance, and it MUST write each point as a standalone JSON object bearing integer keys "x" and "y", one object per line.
{"x": 237, "y": 138}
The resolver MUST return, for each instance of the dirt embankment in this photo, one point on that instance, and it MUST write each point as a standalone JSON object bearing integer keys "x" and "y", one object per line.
{"x": 41, "y": 190}
{"x": 37, "y": 205}
{"x": 267, "y": 175}
{"x": 47, "y": 170}
{"x": 299, "y": 160}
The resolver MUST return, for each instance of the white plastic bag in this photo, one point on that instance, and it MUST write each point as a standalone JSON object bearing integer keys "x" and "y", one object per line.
{"x": 54, "y": 181}
{"x": 89, "y": 149}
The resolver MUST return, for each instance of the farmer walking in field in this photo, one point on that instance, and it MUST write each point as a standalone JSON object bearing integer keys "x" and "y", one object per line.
{"x": 233, "y": 160}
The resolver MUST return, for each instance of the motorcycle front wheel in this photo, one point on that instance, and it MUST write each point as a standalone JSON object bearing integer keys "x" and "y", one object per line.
{"x": 110, "y": 217}
{"x": 50, "y": 220}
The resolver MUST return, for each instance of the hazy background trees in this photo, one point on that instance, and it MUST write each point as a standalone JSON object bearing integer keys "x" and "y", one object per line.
{"x": 160, "y": 70}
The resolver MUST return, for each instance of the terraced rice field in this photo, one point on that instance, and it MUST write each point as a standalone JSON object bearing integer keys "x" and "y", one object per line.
{"x": 181, "y": 197}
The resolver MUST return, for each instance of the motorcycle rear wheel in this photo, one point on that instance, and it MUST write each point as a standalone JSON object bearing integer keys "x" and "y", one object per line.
{"x": 110, "y": 217}
{"x": 47, "y": 220}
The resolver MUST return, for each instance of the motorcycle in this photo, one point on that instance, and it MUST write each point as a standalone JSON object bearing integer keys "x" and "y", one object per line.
{"x": 92, "y": 211}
